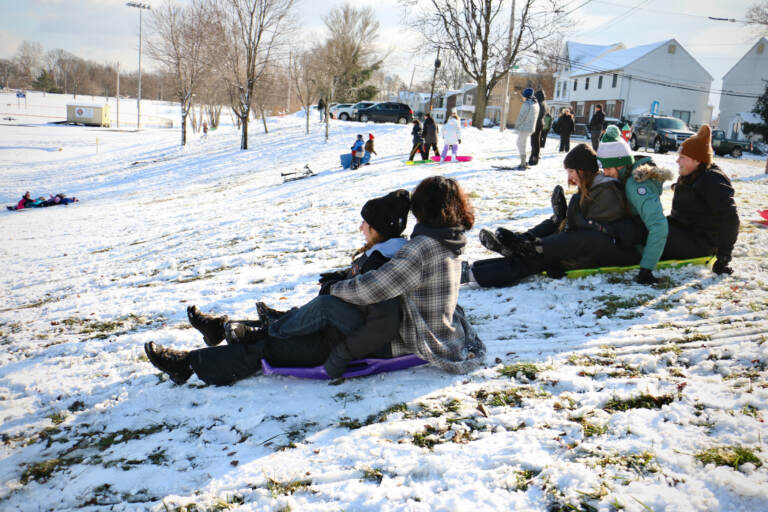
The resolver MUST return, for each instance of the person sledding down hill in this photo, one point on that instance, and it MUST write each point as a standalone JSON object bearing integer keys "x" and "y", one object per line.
{"x": 593, "y": 230}
{"x": 41, "y": 202}
{"x": 358, "y": 152}
{"x": 398, "y": 298}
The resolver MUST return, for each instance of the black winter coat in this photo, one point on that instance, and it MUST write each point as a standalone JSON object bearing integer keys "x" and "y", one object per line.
{"x": 416, "y": 134}
{"x": 565, "y": 126}
{"x": 703, "y": 203}
{"x": 596, "y": 123}
{"x": 430, "y": 131}
{"x": 542, "y": 110}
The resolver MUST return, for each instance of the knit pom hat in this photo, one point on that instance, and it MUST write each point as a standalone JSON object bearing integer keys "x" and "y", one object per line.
{"x": 389, "y": 214}
{"x": 370, "y": 136}
{"x": 614, "y": 150}
{"x": 699, "y": 146}
{"x": 581, "y": 158}
{"x": 527, "y": 92}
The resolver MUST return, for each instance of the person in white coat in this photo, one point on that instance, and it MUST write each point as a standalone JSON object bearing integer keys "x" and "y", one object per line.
{"x": 451, "y": 136}
{"x": 526, "y": 124}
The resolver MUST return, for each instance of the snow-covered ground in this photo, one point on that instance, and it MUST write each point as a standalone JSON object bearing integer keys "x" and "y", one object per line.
{"x": 599, "y": 394}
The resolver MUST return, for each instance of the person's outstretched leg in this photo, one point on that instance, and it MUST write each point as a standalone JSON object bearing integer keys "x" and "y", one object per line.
{"x": 210, "y": 326}
{"x": 444, "y": 153}
{"x": 321, "y": 312}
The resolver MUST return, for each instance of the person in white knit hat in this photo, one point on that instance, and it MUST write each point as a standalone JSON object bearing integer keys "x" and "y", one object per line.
{"x": 643, "y": 184}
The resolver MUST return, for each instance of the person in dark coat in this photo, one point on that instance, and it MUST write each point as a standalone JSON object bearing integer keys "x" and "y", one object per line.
{"x": 369, "y": 149}
{"x": 418, "y": 141}
{"x": 321, "y": 109}
{"x": 430, "y": 131}
{"x": 536, "y": 135}
{"x": 546, "y": 124}
{"x": 592, "y": 230}
{"x": 564, "y": 128}
{"x": 326, "y": 330}
{"x": 704, "y": 220}
{"x": 596, "y": 126}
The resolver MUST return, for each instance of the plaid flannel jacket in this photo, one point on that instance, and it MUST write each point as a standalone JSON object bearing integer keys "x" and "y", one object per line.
{"x": 425, "y": 276}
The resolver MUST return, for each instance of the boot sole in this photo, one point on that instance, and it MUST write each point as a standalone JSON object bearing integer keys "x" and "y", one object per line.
{"x": 176, "y": 378}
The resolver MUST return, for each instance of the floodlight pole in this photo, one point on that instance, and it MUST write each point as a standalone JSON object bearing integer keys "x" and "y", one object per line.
{"x": 141, "y": 7}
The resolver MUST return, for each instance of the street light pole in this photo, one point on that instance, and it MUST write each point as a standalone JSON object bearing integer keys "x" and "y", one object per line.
{"x": 434, "y": 76}
{"x": 141, "y": 7}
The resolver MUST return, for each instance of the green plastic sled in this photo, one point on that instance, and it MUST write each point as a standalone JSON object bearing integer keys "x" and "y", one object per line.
{"x": 584, "y": 272}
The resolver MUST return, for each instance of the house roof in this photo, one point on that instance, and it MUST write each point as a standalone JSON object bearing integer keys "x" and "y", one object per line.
{"x": 761, "y": 40}
{"x": 580, "y": 53}
{"x": 618, "y": 59}
{"x": 750, "y": 117}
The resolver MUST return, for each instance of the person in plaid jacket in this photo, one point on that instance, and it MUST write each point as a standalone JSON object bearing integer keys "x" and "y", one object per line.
{"x": 425, "y": 274}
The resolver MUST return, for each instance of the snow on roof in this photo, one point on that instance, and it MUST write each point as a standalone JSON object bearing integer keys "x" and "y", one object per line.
{"x": 751, "y": 117}
{"x": 618, "y": 59}
{"x": 580, "y": 53}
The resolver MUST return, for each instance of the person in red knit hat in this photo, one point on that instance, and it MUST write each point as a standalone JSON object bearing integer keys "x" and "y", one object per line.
{"x": 369, "y": 149}
{"x": 703, "y": 220}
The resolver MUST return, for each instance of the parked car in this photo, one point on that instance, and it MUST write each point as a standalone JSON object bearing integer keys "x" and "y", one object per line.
{"x": 661, "y": 133}
{"x": 361, "y": 105}
{"x": 339, "y": 109}
{"x": 387, "y": 111}
{"x": 723, "y": 146}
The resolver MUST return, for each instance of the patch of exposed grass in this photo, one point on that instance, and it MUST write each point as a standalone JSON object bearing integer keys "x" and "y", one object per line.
{"x": 613, "y": 304}
{"x": 732, "y": 456}
{"x": 510, "y": 396}
{"x": 670, "y": 347}
{"x": 642, "y": 401}
{"x": 527, "y": 370}
{"x": 125, "y": 435}
{"x": 42, "y": 471}
{"x": 372, "y": 475}
{"x": 524, "y": 477}
{"x": 278, "y": 488}
{"x": 590, "y": 429}
{"x": 58, "y": 417}
{"x": 374, "y": 418}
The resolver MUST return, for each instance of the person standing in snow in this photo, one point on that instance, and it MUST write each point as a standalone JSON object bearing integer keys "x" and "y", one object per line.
{"x": 451, "y": 137}
{"x": 525, "y": 124}
{"x": 418, "y": 141}
{"x": 358, "y": 151}
{"x": 538, "y": 128}
{"x": 321, "y": 109}
{"x": 423, "y": 276}
{"x": 564, "y": 128}
{"x": 369, "y": 149}
{"x": 643, "y": 184}
{"x": 546, "y": 124}
{"x": 430, "y": 131}
{"x": 596, "y": 126}
{"x": 589, "y": 232}
{"x": 704, "y": 220}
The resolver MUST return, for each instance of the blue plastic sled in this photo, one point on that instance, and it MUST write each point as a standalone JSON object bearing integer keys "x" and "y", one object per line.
{"x": 359, "y": 368}
{"x": 346, "y": 159}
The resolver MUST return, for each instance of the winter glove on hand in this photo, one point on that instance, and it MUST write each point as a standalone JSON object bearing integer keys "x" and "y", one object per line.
{"x": 645, "y": 276}
{"x": 332, "y": 277}
{"x": 721, "y": 267}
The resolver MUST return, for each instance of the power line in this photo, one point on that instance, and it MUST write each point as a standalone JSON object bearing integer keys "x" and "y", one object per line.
{"x": 615, "y": 18}
{"x": 676, "y": 13}
{"x": 653, "y": 81}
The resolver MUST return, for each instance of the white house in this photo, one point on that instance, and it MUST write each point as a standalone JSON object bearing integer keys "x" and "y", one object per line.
{"x": 745, "y": 78}
{"x": 627, "y": 81}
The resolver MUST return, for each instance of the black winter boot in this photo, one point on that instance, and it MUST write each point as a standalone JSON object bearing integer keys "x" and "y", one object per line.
{"x": 339, "y": 357}
{"x": 489, "y": 241}
{"x": 211, "y": 327}
{"x": 267, "y": 314}
{"x": 559, "y": 206}
{"x": 239, "y": 333}
{"x": 515, "y": 244}
{"x": 176, "y": 363}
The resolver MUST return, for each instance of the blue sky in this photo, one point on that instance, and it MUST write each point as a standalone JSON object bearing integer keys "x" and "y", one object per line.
{"x": 107, "y": 30}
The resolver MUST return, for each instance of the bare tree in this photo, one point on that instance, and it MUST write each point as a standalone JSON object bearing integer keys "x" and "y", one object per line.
{"x": 248, "y": 34}
{"x": 306, "y": 71}
{"x": 29, "y": 60}
{"x": 177, "y": 42}
{"x": 757, "y": 16}
{"x": 479, "y": 34}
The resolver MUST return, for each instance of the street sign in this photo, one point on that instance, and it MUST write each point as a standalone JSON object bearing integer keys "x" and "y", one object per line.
{"x": 20, "y": 94}
{"x": 655, "y": 108}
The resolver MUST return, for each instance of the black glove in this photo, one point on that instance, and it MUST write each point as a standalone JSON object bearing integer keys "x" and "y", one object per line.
{"x": 721, "y": 267}
{"x": 459, "y": 141}
{"x": 333, "y": 276}
{"x": 645, "y": 276}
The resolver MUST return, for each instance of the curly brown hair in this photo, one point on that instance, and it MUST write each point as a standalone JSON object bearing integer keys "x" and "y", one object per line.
{"x": 440, "y": 202}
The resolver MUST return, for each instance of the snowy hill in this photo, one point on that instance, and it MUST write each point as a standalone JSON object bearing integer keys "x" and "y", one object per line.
{"x": 599, "y": 394}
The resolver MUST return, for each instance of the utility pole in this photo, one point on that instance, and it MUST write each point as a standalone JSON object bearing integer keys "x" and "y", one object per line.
{"x": 117, "y": 96}
{"x": 141, "y": 7}
{"x": 505, "y": 103}
{"x": 288, "y": 95}
{"x": 434, "y": 76}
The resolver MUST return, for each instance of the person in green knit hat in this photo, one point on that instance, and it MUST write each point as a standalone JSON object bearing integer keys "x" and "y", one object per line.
{"x": 643, "y": 184}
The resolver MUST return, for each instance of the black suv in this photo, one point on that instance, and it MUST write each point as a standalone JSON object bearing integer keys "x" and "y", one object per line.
{"x": 386, "y": 112}
{"x": 658, "y": 132}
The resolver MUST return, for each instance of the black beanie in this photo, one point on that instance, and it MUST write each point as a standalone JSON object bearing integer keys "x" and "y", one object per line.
{"x": 581, "y": 158}
{"x": 389, "y": 214}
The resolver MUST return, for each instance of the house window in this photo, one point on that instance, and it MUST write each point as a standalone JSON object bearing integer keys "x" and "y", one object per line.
{"x": 580, "y": 110}
{"x": 684, "y": 115}
{"x": 615, "y": 79}
{"x": 610, "y": 109}
{"x": 671, "y": 49}
{"x": 469, "y": 100}
{"x": 586, "y": 84}
{"x": 557, "y": 94}
{"x": 575, "y": 84}
{"x": 760, "y": 48}
{"x": 600, "y": 82}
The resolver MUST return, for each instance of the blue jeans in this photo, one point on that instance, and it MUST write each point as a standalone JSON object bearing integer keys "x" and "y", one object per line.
{"x": 321, "y": 312}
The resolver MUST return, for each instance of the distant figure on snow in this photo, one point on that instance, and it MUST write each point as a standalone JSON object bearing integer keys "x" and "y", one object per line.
{"x": 526, "y": 124}
{"x": 369, "y": 149}
{"x": 418, "y": 141}
{"x": 430, "y": 131}
{"x": 358, "y": 152}
{"x": 451, "y": 137}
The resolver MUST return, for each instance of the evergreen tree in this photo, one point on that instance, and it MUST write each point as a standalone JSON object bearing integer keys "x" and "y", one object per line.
{"x": 761, "y": 109}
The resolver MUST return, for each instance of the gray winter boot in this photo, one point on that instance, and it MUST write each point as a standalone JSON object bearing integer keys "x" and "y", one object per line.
{"x": 240, "y": 333}
{"x": 211, "y": 327}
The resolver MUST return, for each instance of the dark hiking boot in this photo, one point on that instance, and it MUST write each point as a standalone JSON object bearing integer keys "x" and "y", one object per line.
{"x": 337, "y": 361}
{"x": 238, "y": 333}
{"x": 267, "y": 315}
{"x": 211, "y": 327}
{"x": 465, "y": 270}
{"x": 516, "y": 244}
{"x": 175, "y": 363}
{"x": 489, "y": 241}
{"x": 559, "y": 206}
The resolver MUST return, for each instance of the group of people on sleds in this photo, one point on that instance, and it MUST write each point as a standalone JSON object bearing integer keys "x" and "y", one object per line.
{"x": 27, "y": 201}
{"x": 400, "y": 295}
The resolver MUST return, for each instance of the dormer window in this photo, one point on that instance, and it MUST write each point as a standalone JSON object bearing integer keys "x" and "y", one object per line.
{"x": 671, "y": 49}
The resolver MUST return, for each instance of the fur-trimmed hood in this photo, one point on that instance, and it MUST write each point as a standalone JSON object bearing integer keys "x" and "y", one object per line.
{"x": 651, "y": 172}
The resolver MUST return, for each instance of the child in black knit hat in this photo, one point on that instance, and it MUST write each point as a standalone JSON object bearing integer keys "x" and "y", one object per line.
{"x": 325, "y": 331}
